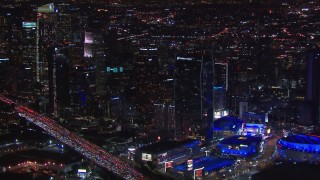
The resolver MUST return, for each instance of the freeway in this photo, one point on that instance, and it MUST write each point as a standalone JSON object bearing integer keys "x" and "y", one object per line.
{"x": 81, "y": 145}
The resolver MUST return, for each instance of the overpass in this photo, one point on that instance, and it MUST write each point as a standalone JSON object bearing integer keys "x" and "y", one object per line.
{"x": 79, "y": 144}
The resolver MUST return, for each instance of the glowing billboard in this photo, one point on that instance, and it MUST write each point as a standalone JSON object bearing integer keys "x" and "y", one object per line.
{"x": 82, "y": 170}
{"x": 146, "y": 157}
{"x": 167, "y": 165}
{"x": 198, "y": 172}
{"x": 190, "y": 163}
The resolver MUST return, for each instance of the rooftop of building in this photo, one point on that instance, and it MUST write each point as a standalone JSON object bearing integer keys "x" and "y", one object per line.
{"x": 303, "y": 139}
{"x": 244, "y": 140}
{"x": 163, "y": 146}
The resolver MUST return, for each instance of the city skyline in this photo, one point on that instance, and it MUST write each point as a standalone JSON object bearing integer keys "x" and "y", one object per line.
{"x": 145, "y": 89}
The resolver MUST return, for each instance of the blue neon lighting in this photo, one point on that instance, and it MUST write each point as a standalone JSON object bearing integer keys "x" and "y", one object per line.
{"x": 300, "y": 142}
{"x": 240, "y": 145}
{"x": 217, "y": 87}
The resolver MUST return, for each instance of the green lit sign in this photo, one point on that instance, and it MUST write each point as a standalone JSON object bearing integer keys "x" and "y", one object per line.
{"x": 29, "y": 24}
{"x": 114, "y": 69}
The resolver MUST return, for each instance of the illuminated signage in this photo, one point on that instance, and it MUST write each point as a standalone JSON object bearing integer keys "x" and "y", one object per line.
{"x": 82, "y": 170}
{"x": 184, "y": 58}
{"x": 114, "y": 69}
{"x": 190, "y": 163}
{"x": 217, "y": 87}
{"x": 131, "y": 149}
{"x": 48, "y": 8}
{"x": 82, "y": 173}
{"x": 29, "y": 24}
{"x": 146, "y": 157}
{"x": 148, "y": 49}
{"x": 169, "y": 164}
{"x": 198, "y": 173}
{"x": 4, "y": 59}
{"x": 243, "y": 145}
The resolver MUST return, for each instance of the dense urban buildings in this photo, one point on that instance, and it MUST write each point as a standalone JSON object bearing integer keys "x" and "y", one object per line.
{"x": 213, "y": 89}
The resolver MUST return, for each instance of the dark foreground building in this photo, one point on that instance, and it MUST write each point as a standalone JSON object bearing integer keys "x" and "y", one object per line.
{"x": 289, "y": 171}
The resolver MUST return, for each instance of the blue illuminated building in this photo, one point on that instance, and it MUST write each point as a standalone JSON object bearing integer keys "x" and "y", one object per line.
{"x": 253, "y": 129}
{"x": 210, "y": 164}
{"x": 300, "y": 147}
{"x": 240, "y": 145}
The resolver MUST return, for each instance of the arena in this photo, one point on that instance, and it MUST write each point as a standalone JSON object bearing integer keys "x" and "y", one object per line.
{"x": 300, "y": 147}
{"x": 240, "y": 145}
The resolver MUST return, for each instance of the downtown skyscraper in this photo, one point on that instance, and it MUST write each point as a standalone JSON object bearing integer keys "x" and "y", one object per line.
{"x": 194, "y": 95}
{"x": 310, "y": 110}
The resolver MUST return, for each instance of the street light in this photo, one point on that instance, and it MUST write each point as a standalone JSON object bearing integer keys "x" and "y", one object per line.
{"x": 207, "y": 152}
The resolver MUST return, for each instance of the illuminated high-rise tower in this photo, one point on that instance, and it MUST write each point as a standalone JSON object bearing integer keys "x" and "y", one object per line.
{"x": 164, "y": 117}
{"x": 313, "y": 88}
{"x": 208, "y": 109}
{"x": 45, "y": 40}
{"x": 310, "y": 111}
{"x": 95, "y": 59}
{"x": 59, "y": 81}
{"x": 221, "y": 75}
{"x": 221, "y": 82}
{"x": 194, "y": 95}
{"x": 187, "y": 94}
{"x": 28, "y": 69}
{"x": 53, "y": 41}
